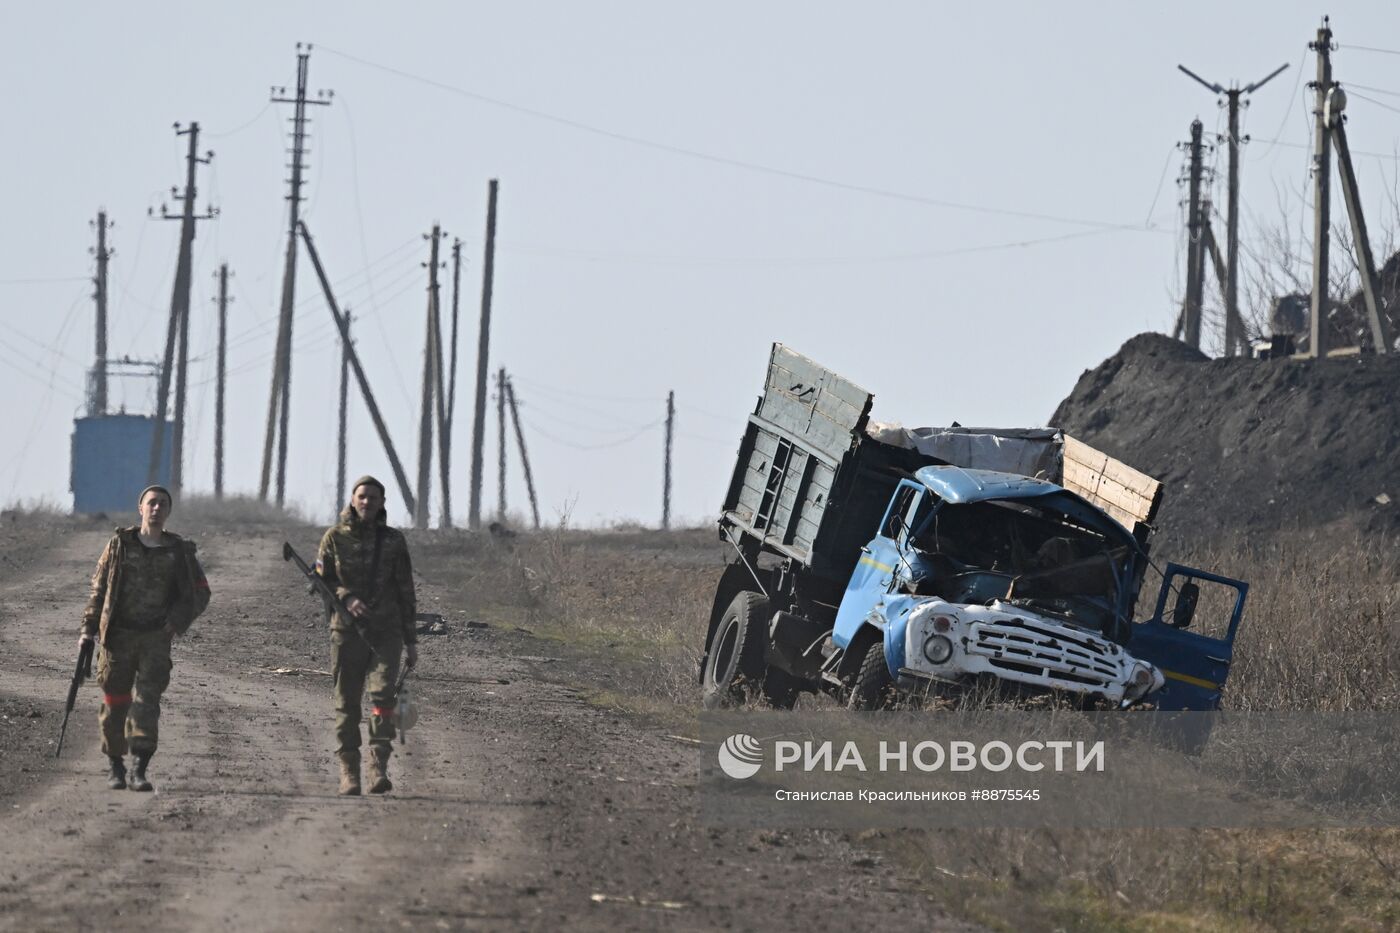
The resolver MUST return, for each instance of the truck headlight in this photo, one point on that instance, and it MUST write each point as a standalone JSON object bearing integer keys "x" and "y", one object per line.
{"x": 938, "y": 649}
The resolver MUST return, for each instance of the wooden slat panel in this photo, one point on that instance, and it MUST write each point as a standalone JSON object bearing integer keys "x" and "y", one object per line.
{"x": 1129, "y": 495}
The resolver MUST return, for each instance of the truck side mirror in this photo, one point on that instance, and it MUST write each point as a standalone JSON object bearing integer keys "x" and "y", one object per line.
{"x": 1185, "y": 608}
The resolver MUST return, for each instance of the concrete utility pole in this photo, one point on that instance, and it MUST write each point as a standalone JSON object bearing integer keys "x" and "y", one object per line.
{"x": 179, "y": 325}
{"x": 1322, "y": 176}
{"x": 501, "y": 447}
{"x": 343, "y": 426}
{"x": 343, "y": 325}
{"x": 97, "y": 402}
{"x": 279, "y": 399}
{"x": 431, "y": 354}
{"x": 1213, "y": 248}
{"x": 1365, "y": 262}
{"x": 456, "y": 293}
{"x": 219, "y": 380}
{"x": 483, "y": 358}
{"x": 524, "y": 457}
{"x": 440, "y": 388}
{"x": 1233, "y": 335}
{"x": 666, "y": 486}
{"x": 1194, "y": 285}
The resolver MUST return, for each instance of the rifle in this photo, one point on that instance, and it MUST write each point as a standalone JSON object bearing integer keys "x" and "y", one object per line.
{"x": 81, "y": 673}
{"x": 336, "y": 604}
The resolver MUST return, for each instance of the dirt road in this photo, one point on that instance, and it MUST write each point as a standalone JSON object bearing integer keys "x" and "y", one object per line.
{"x": 518, "y": 804}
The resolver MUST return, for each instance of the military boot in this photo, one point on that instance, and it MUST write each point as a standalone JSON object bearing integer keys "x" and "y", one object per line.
{"x": 116, "y": 772}
{"x": 138, "y": 772}
{"x": 379, "y": 769}
{"x": 349, "y": 774}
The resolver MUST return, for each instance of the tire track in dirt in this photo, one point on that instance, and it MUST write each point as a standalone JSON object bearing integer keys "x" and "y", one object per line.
{"x": 516, "y": 802}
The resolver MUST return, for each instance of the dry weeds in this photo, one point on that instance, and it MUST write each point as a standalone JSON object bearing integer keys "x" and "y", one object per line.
{"x": 1318, "y": 635}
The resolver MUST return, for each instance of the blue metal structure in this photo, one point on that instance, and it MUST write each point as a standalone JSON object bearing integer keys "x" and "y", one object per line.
{"x": 111, "y": 457}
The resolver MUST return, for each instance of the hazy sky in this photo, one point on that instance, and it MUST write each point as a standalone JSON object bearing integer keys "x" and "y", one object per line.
{"x": 961, "y": 207}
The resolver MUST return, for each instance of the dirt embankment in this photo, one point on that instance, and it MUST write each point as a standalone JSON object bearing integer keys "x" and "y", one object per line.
{"x": 1249, "y": 447}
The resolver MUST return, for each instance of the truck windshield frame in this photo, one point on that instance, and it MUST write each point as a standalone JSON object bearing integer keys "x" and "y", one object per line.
{"x": 1034, "y": 552}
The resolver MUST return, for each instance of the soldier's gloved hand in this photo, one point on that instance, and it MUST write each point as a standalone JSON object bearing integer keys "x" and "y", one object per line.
{"x": 412, "y": 659}
{"x": 84, "y": 640}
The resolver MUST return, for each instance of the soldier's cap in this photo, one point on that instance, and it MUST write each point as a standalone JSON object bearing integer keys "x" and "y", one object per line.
{"x": 168, "y": 497}
{"x": 367, "y": 480}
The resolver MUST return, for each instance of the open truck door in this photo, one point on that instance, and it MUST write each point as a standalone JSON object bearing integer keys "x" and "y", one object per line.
{"x": 1191, "y": 640}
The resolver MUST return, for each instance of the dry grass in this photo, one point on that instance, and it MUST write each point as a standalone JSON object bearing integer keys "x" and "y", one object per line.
{"x": 1318, "y": 634}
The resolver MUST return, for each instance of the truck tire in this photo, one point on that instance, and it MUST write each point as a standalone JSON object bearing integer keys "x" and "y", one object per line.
{"x": 873, "y": 687}
{"x": 735, "y": 663}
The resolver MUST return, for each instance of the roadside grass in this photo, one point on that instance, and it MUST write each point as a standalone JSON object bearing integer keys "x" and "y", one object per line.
{"x": 1319, "y": 634}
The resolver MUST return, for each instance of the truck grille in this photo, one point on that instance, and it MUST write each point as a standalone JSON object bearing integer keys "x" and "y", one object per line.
{"x": 1037, "y": 648}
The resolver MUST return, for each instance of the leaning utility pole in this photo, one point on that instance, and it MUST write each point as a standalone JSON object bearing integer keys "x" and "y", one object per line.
{"x": 97, "y": 404}
{"x": 219, "y": 383}
{"x": 343, "y": 325}
{"x": 279, "y": 399}
{"x": 501, "y": 446}
{"x": 524, "y": 457}
{"x": 1322, "y": 176}
{"x": 431, "y": 354}
{"x": 666, "y": 486}
{"x": 342, "y": 428}
{"x": 1194, "y": 285}
{"x": 1365, "y": 262}
{"x": 1233, "y": 335}
{"x": 483, "y": 358}
{"x": 179, "y": 325}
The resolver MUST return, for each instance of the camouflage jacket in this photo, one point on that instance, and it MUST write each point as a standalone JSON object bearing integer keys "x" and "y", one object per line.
{"x": 346, "y": 562}
{"x": 191, "y": 588}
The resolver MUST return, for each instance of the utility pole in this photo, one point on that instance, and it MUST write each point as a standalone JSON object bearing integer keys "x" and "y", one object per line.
{"x": 1234, "y": 336}
{"x": 343, "y": 426}
{"x": 219, "y": 380}
{"x": 1322, "y": 176}
{"x": 279, "y": 399}
{"x": 440, "y": 388}
{"x": 1365, "y": 262}
{"x": 1192, "y": 313}
{"x": 431, "y": 353}
{"x": 501, "y": 447}
{"x": 483, "y": 357}
{"x": 524, "y": 457}
{"x": 343, "y": 325}
{"x": 97, "y": 403}
{"x": 666, "y": 487}
{"x": 456, "y": 293}
{"x": 179, "y": 325}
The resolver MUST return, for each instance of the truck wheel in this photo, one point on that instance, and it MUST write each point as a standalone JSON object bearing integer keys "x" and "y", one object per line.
{"x": 873, "y": 687}
{"x": 736, "y": 654}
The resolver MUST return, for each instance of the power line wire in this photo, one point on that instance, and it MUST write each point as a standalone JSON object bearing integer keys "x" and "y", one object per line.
{"x": 731, "y": 162}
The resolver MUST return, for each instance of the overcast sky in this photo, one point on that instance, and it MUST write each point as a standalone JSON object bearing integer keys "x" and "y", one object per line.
{"x": 961, "y": 207}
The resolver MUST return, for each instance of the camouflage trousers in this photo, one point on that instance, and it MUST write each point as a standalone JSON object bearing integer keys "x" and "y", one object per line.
{"x": 133, "y": 670}
{"x": 354, "y": 668}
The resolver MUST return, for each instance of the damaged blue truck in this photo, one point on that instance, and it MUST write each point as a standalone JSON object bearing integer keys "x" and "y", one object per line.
{"x": 876, "y": 564}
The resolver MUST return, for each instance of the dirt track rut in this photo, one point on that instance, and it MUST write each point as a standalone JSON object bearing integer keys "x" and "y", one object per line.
{"x": 517, "y": 804}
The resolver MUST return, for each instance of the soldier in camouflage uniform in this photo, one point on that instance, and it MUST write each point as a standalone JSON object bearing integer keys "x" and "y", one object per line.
{"x": 148, "y": 588}
{"x": 366, "y": 563}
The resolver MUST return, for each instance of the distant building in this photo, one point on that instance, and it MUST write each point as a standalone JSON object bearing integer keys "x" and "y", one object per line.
{"x": 111, "y": 459}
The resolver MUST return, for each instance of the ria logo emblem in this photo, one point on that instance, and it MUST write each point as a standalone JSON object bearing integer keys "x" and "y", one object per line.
{"x": 740, "y": 756}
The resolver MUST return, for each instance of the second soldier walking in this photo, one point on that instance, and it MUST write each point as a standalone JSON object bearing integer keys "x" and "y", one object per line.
{"x": 366, "y": 563}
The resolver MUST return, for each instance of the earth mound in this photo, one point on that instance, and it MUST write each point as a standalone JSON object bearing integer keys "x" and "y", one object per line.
{"x": 1248, "y": 447}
